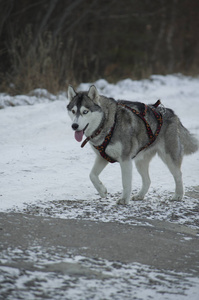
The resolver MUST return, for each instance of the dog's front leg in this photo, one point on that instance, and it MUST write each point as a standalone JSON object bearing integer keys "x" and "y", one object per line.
{"x": 126, "y": 169}
{"x": 99, "y": 165}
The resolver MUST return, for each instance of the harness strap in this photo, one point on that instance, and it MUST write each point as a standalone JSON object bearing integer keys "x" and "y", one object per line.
{"x": 149, "y": 131}
{"x": 103, "y": 146}
{"x": 141, "y": 115}
{"x": 158, "y": 102}
{"x": 152, "y": 137}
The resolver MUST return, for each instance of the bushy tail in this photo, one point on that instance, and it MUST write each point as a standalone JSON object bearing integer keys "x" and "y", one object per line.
{"x": 188, "y": 140}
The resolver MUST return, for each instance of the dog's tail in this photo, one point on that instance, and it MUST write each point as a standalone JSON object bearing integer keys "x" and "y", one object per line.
{"x": 188, "y": 140}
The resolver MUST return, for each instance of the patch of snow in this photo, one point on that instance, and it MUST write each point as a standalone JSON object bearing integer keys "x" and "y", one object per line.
{"x": 42, "y": 164}
{"x": 49, "y": 275}
{"x": 34, "y": 97}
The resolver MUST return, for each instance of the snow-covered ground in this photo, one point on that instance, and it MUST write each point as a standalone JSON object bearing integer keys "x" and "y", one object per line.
{"x": 78, "y": 277}
{"x": 42, "y": 163}
{"x": 44, "y": 171}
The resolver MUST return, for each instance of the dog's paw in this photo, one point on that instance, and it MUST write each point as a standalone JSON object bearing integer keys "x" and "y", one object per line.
{"x": 122, "y": 201}
{"x": 137, "y": 197}
{"x": 176, "y": 197}
{"x": 103, "y": 192}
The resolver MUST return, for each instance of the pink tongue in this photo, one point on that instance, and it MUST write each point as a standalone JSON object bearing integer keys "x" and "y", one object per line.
{"x": 79, "y": 135}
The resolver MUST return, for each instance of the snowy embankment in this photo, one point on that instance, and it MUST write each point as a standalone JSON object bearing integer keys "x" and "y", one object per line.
{"x": 42, "y": 164}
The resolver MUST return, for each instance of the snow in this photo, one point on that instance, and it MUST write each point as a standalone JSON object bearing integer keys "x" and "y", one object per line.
{"x": 72, "y": 276}
{"x": 35, "y": 96}
{"x": 42, "y": 162}
{"x": 44, "y": 171}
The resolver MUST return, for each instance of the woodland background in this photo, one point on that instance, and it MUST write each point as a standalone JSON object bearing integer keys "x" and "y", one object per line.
{"x": 50, "y": 43}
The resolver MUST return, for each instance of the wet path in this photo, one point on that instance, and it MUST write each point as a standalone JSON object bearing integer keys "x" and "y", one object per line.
{"x": 48, "y": 258}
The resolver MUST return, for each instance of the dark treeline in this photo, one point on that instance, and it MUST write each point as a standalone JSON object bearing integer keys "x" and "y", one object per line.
{"x": 49, "y": 43}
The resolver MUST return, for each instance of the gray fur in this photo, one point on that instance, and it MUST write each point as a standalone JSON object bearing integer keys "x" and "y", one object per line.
{"x": 130, "y": 135}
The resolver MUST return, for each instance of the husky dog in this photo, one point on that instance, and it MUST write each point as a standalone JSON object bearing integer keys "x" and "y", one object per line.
{"x": 120, "y": 131}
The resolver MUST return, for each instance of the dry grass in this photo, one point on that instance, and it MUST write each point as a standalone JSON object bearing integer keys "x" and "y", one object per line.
{"x": 37, "y": 64}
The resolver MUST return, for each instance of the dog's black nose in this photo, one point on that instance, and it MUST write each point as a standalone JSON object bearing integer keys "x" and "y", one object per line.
{"x": 75, "y": 126}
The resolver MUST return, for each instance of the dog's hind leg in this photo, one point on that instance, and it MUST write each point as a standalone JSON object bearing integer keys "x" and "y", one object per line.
{"x": 174, "y": 167}
{"x": 99, "y": 165}
{"x": 142, "y": 165}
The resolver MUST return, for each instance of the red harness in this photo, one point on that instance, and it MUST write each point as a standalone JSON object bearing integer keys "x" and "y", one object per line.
{"x": 141, "y": 115}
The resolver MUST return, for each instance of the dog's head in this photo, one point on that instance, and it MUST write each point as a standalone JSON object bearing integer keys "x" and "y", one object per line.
{"x": 85, "y": 111}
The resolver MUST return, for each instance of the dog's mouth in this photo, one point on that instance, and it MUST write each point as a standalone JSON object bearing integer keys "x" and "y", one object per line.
{"x": 79, "y": 134}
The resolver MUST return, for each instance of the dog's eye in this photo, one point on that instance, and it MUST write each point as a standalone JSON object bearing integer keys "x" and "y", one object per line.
{"x": 73, "y": 111}
{"x": 85, "y": 112}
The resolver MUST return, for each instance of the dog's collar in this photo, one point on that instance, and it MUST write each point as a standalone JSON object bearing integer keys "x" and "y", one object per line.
{"x": 91, "y": 137}
{"x": 103, "y": 146}
{"x": 96, "y": 133}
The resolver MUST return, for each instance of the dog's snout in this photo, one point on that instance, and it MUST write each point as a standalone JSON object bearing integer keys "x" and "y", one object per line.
{"x": 75, "y": 126}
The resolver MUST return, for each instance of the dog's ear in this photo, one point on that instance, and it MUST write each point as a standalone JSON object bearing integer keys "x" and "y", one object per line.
{"x": 71, "y": 93}
{"x": 93, "y": 94}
